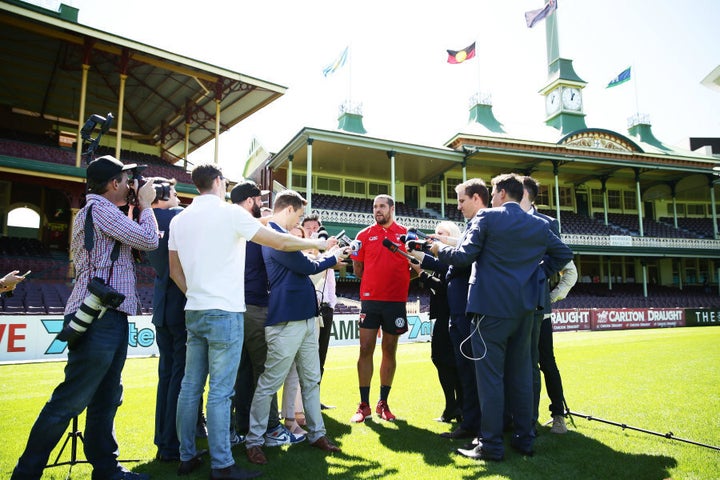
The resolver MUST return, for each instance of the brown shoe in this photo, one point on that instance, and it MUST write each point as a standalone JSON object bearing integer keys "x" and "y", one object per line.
{"x": 324, "y": 443}
{"x": 256, "y": 456}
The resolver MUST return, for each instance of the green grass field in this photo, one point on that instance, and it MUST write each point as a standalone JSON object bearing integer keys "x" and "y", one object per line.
{"x": 660, "y": 380}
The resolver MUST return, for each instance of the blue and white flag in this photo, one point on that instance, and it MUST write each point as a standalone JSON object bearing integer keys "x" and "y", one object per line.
{"x": 534, "y": 16}
{"x": 622, "y": 78}
{"x": 339, "y": 62}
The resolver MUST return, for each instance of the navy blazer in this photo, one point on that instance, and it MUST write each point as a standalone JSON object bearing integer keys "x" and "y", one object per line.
{"x": 292, "y": 293}
{"x": 505, "y": 245}
{"x": 168, "y": 299}
{"x": 555, "y": 228}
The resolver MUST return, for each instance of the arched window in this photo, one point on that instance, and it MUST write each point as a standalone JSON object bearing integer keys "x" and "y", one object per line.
{"x": 23, "y": 217}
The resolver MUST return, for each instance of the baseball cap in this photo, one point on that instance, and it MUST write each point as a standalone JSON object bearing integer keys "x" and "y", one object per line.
{"x": 246, "y": 189}
{"x": 106, "y": 167}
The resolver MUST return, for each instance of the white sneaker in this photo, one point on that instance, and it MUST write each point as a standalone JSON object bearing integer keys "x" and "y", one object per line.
{"x": 558, "y": 424}
{"x": 281, "y": 436}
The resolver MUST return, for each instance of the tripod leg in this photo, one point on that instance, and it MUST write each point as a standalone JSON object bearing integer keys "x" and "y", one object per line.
{"x": 568, "y": 413}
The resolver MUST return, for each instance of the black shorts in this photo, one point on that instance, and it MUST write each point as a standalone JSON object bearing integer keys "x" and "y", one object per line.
{"x": 391, "y": 316}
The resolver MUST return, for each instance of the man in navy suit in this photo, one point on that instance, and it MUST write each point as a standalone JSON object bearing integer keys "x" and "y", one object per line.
{"x": 505, "y": 246}
{"x": 169, "y": 320}
{"x": 290, "y": 330}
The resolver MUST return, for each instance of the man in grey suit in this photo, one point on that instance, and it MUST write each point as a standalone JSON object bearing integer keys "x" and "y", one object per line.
{"x": 511, "y": 253}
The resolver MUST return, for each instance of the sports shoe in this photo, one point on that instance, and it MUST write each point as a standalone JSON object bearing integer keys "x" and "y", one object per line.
{"x": 558, "y": 424}
{"x": 281, "y": 436}
{"x": 236, "y": 439}
{"x": 363, "y": 413}
{"x": 383, "y": 410}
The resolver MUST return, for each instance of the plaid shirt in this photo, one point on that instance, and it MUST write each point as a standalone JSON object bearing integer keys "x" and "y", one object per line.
{"x": 110, "y": 224}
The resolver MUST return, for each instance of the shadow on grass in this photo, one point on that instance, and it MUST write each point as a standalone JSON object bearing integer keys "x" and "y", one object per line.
{"x": 570, "y": 456}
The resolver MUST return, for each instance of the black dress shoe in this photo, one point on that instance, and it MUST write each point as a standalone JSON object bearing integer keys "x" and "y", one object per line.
{"x": 233, "y": 472}
{"x": 188, "y": 466}
{"x": 478, "y": 453}
{"x": 458, "y": 433}
{"x": 523, "y": 451}
{"x": 167, "y": 458}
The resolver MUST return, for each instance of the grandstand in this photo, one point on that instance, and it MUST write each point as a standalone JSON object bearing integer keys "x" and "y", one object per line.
{"x": 591, "y": 179}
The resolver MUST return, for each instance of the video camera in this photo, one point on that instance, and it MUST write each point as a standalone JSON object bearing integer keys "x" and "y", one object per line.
{"x": 94, "y": 306}
{"x": 87, "y": 129}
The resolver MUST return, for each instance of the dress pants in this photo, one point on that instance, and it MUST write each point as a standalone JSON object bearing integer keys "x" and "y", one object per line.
{"x": 504, "y": 347}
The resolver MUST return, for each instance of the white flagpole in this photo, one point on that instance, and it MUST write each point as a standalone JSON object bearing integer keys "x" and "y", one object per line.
{"x": 633, "y": 74}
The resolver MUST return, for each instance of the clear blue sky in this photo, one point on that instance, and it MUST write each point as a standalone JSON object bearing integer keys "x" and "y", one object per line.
{"x": 398, "y": 66}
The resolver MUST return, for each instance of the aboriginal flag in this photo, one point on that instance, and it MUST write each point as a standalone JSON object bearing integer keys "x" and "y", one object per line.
{"x": 460, "y": 56}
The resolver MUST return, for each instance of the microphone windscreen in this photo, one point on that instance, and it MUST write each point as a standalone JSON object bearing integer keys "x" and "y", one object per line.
{"x": 388, "y": 244}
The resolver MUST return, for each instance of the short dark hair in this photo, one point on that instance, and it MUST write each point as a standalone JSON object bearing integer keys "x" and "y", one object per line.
{"x": 204, "y": 175}
{"x": 387, "y": 198}
{"x": 288, "y": 197}
{"x": 99, "y": 188}
{"x": 314, "y": 217}
{"x": 475, "y": 186}
{"x": 511, "y": 183}
{"x": 532, "y": 187}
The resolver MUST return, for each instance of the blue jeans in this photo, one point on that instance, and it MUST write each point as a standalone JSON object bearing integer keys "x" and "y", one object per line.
{"x": 92, "y": 380}
{"x": 214, "y": 344}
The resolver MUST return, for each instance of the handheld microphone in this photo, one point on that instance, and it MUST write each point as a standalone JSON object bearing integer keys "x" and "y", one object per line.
{"x": 417, "y": 233}
{"x": 387, "y": 243}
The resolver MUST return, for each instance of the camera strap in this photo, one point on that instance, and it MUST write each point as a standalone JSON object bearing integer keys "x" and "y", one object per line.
{"x": 90, "y": 241}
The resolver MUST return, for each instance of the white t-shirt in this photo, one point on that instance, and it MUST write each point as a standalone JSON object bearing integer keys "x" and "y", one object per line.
{"x": 209, "y": 237}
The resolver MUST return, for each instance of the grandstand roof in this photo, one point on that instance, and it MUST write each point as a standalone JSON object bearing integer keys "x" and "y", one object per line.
{"x": 43, "y": 52}
{"x": 359, "y": 156}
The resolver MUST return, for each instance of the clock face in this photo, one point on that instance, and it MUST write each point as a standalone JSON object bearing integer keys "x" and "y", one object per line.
{"x": 572, "y": 99}
{"x": 552, "y": 102}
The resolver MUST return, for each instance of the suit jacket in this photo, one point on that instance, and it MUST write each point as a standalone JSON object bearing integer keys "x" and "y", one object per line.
{"x": 505, "y": 246}
{"x": 168, "y": 299}
{"x": 555, "y": 228}
{"x": 292, "y": 293}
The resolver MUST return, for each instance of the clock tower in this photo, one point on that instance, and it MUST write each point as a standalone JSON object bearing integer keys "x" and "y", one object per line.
{"x": 563, "y": 91}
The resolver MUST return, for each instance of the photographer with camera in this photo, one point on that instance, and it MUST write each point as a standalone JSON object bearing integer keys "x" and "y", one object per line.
{"x": 169, "y": 320}
{"x": 97, "y": 336}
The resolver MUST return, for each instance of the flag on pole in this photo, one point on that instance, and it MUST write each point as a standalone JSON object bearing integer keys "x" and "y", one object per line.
{"x": 534, "y": 16}
{"x": 622, "y": 78}
{"x": 459, "y": 56}
{"x": 339, "y": 62}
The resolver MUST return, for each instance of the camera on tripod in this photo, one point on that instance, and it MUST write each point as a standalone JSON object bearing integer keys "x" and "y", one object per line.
{"x": 94, "y": 306}
{"x": 87, "y": 129}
